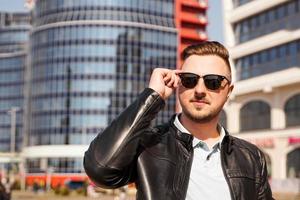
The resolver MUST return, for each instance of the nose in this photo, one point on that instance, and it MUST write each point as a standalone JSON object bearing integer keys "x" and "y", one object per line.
{"x": 200, "y": 87}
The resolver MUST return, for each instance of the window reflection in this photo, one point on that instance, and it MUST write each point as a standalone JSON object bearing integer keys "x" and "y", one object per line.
{"x": 11, "y": 95}
{"x": 87, "y": 74}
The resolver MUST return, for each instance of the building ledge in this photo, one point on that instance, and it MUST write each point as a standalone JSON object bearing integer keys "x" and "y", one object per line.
{"x": 264, "y": 42}
{"x": 252, "y": 8}
{"x": 13, "y": 54}
{"x": 274, "y": 80}
{"x": 9, "y": 157}
{"x": 196, "y": 4}
{"x": 52, "y": 151}
{"x": 266, "y": 138}
{"x": 289, "y": 132}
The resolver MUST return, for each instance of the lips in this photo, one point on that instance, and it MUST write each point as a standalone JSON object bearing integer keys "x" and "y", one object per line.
{"x": 199, "y": 101}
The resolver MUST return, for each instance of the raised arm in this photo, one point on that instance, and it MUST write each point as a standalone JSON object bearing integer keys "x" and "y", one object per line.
{"x": 111, "y": 158}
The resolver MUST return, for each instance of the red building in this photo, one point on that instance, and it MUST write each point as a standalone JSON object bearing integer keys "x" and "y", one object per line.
{"x": 191, "y": 22}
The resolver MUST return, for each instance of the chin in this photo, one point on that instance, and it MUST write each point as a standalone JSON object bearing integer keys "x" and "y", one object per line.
{"x": 199, "y": 117}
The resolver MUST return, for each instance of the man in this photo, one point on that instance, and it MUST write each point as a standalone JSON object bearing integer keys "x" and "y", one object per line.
{"x": 191, "y": 157}
{"x": 5, "y": 189}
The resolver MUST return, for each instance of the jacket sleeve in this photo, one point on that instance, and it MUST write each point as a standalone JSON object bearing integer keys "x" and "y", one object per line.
{"x": 265, "y": 192}
{"x": 111, "y": 157}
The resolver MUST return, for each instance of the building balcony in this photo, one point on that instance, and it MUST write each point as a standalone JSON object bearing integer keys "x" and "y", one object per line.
{"x": 195, "y": 4}
{"x": 193, "y": 34}
{"x": 197, "y": 19}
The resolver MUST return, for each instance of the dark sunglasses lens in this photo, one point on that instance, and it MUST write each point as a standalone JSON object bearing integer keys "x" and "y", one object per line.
{"x": 212, "y": 82}
{"x": 189, "y": 80}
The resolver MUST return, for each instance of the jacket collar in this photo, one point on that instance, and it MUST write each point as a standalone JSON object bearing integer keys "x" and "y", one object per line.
{"x": 227, "y": 142}
{"x": 185, "y": 138}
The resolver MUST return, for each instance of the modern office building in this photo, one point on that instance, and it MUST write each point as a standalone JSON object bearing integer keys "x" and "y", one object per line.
{"x": 264, "y": 41}
{"x": 88, "y": 61}
{"x": 191, "y": 22}
{"x": 14, "y": 38}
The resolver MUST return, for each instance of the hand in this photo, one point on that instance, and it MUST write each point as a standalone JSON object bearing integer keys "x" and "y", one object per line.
{"x": 164, "y": 81}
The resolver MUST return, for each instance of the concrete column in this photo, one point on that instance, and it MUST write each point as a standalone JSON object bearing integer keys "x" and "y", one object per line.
{"x": 278, "y": 158}
{"x": 277, "y": 113}
{"x": 233, "y": 117}
{"x": 22, "y": 174}
{"x": 44, "y": 163}
{"x": 228, "y": 28}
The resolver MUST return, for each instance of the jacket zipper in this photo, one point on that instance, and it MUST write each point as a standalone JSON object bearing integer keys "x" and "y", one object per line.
{"x": 225, "y": 175}
{"x": 183, "y": 179}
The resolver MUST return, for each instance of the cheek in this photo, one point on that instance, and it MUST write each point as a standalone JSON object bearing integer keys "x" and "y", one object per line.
{"x": 184, "y": 94}
{"x": 219, "y": 99}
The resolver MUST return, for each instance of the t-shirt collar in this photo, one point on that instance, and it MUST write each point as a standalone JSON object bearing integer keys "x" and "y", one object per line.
{"x": 181, "y": 128}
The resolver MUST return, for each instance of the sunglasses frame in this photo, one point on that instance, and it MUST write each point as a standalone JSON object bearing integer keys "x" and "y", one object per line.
{"x": 205, "y": 83}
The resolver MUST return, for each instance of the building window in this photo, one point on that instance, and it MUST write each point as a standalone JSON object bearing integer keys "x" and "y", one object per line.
{"x": 268, "y": 61}
{"x": 293, "y": 164}
{"x": 34, "y": 165}
{"x": 292, "y": 111}
{"x": 274, "y": 19}
{"x": 238, "y": 3}
{"x": 66, "y": 165}
{"x": 255, "y": 115}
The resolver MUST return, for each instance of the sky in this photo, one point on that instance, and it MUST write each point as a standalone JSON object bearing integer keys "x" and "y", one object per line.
{"x": 12, "y": 5}
{"x": 215, "y": 20}
{"x": 214, "y": 28}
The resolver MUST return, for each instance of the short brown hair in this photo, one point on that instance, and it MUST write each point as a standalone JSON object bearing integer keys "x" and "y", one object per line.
{"x": 207, "y": 48}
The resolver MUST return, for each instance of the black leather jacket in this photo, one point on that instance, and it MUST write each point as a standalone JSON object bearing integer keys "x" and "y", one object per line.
{"x": 158, "y": 159}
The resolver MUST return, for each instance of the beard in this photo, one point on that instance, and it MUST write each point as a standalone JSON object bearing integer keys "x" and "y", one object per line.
{"x": 198, "y": 117}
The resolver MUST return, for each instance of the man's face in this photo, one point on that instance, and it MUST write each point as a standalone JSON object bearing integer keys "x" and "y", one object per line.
{"x": 199, "y": 103}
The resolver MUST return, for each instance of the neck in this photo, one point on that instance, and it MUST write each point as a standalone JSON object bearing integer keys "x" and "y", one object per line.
{"x": 202, "y": 131}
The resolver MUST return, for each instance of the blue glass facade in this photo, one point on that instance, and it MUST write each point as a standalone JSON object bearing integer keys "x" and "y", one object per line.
{"x": 159, "y": 12}
{"x": 269, "y": 60}
{"x": 274, "y": 19}
{"x": 281, "y": 17}
{"x": 14, "y": 36}
{"x": 11, "y": 95}
{"x": 90, "y": 59}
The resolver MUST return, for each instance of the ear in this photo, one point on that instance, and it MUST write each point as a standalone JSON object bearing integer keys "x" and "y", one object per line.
{"x": 230, "y": 89}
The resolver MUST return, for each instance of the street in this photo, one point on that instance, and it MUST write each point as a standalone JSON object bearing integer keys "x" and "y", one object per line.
{"x": 19, "y": 195}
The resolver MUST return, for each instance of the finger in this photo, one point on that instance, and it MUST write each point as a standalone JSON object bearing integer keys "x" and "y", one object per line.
{"x": 178, "y": 71}
{"x": 167, "y": 77}
{"x": 174, "y": 78}
{"x": 171, "y": 81}
{"x": 176, "y": 82}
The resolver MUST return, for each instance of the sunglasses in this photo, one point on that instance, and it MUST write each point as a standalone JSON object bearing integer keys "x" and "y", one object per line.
{"x": 211, "y": 81}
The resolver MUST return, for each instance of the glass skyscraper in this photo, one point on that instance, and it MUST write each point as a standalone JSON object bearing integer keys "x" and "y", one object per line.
{"x": 14, "y": 37}
{"x": 89, "y": 60}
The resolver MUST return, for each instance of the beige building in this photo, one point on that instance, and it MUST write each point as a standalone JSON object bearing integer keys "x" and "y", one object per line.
{"x": 264, "y": 42}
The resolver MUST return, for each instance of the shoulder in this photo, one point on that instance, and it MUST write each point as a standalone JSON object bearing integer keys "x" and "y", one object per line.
{"x": 154, "y": 135}
{"x": 162, "y": 128}
{"x": 245, "y": 146}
